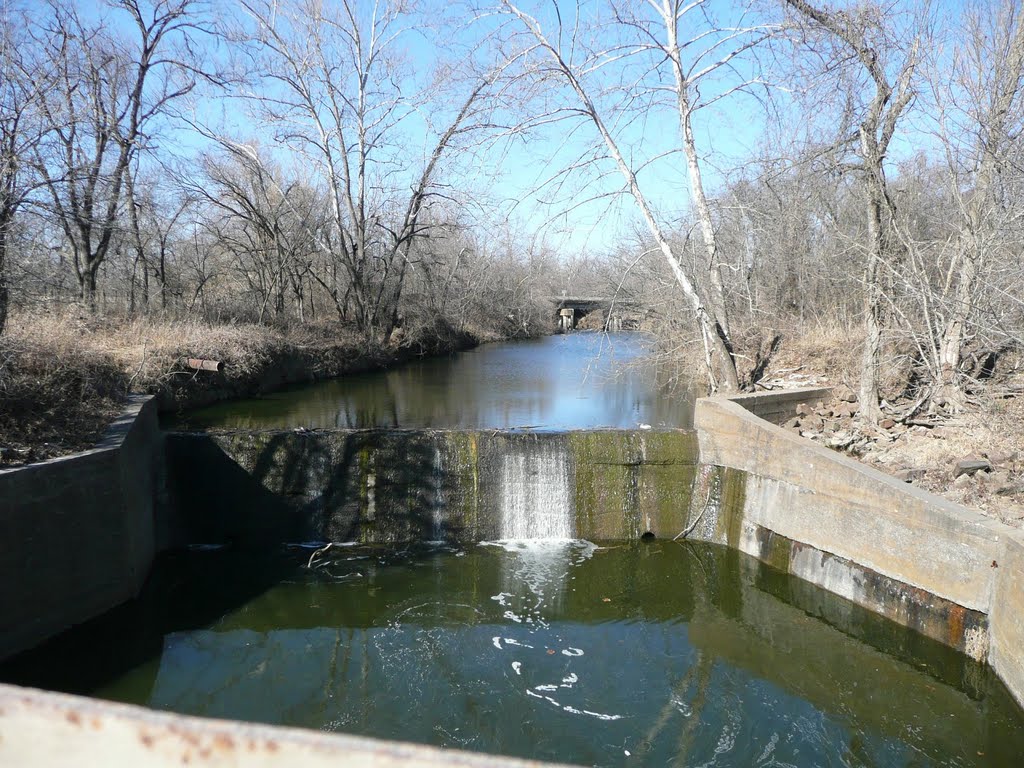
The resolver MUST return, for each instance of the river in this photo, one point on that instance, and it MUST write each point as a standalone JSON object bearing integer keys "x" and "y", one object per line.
{"x": 573, "y": 381}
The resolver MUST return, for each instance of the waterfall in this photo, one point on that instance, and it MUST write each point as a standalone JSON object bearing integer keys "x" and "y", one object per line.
{"x": 536, "y": 493}
{"x": 437, "y": 496}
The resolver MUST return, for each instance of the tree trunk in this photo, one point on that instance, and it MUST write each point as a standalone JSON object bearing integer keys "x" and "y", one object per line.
{"x": 88, "y": 289}
{"x": 4, "y": 298}
{"x": 950, "y": 392}
{"x": 4, "y": 290}
{"x": 873, "y": 316}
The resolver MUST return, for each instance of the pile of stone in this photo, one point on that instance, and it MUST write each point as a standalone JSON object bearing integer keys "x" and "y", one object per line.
{"x": 832, "y": 423}
{"x": 994, "y": 471}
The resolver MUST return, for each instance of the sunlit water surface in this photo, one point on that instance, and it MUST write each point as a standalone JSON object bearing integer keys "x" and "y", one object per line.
{"x": 575, "y": 381}
{"x": 653, "y": 654}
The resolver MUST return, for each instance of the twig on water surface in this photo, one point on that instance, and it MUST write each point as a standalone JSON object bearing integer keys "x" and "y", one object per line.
{"x": 317, "y": 553}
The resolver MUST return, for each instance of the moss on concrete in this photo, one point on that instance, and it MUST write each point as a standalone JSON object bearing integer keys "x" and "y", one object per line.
{"x": 732, "y": 497}
{"x": 392, "y": 486}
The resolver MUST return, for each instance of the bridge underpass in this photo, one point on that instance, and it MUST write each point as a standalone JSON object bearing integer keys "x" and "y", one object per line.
{"x": 606, "y": 314}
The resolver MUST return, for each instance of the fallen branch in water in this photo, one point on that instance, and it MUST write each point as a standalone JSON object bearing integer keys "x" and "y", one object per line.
{"x": 317, "y": 553}
{"x": 687, "y": 531}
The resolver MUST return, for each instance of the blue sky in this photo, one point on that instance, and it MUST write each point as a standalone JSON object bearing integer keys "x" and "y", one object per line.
{"x": 584, "y": 214}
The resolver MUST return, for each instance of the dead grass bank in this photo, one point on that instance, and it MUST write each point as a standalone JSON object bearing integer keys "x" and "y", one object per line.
{"x": 58, "y": 392}
{"x": 64, "y": 375}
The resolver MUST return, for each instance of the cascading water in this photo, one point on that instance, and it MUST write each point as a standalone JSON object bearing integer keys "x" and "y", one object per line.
{"x": 536, "y": 494}
{"x": 437, "y": 496}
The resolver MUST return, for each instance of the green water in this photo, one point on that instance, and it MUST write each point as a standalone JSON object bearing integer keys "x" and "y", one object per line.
{"x": 654, "y": 653}
{"x": 575, "y": 381}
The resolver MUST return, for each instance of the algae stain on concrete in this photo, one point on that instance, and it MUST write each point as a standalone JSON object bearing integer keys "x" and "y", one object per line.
{"x": 393, "y": 486}
{"x": 731, "y": 495}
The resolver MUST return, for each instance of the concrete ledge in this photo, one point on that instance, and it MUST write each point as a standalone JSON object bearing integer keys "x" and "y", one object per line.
{"x": 78, "y": 531}
{"x": 52, "y": 729}
{"x": 816, "y": 496}
{"x": 941, "y": 568}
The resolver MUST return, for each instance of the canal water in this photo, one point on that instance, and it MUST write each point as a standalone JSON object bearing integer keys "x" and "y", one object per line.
{"x": 648, "y": 653}
{"x": 572, "y": 381}
{"x": 651, "y": 654}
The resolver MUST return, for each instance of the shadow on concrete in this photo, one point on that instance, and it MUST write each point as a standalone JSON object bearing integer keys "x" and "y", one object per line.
{"x": 256, "y": 489}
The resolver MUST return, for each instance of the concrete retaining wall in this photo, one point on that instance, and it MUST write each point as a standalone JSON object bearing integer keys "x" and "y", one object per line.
{"x": 947, "y": 571}
{"x": 52, "y": 729}
{"x": 1006, "y": 621}
{"x": 78, "y": 531}
{"x": 390, "y": 486}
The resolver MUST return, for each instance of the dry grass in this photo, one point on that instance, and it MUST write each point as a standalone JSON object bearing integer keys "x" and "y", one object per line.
{"x": 64, "y": 374}
{"x": 152, "y": 351}
{"x": 829, "y": 350}
{"x": 58, "y": 390}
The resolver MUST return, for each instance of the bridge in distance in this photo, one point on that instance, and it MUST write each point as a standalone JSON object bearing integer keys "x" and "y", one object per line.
{"x": 617, "y": 312}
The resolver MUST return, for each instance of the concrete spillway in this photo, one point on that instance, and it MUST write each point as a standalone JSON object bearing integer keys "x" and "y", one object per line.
{"x": 536, "y": 497}
{"x": 378, "y": 486}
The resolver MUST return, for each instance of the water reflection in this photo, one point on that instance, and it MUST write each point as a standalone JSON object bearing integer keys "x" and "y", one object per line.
{"x": 575, "y": 381}
{"x": 656, "y": 654}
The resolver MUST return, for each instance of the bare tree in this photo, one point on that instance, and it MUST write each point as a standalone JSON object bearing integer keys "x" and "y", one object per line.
{"x": 155, "y": 211}
{"x": 22, "y": 79}
{"x": 341, "y": 96}
{"x": 268, "y": 229}
{"x": 982, "y": 101}
{"x": 647, "y": 37}
{"x": 860, "y": 35}
{"x": 107, "y": 93}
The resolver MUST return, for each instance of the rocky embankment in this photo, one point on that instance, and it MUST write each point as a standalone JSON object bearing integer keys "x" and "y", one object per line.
{"x": 972, "y": 458}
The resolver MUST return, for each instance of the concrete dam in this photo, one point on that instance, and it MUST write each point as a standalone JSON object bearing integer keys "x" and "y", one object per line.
{"x": 768, "y": 560}
{"x": 385, "y": 487}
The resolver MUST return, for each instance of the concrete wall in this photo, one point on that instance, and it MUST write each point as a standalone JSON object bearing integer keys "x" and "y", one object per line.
{"x": 389, "y": 486}
{"x": 78, "y": 531}
{"x": 778, "y": 407}
{"x": 951, "y": 573}
{"x": 52, "y": 729}
{"x": 1006, "y": 621}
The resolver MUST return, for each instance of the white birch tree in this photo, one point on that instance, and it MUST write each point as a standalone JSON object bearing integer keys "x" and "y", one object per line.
{"x": 660, "y": 54}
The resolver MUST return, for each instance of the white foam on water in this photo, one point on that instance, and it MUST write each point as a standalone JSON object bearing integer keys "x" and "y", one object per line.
{"x": 601, "y": 715}
{"x": 572, "y": 652}
{"x": 518, "y": 667}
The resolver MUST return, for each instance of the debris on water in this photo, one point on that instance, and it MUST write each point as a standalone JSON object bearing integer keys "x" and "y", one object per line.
{"x": 317, "y": 553}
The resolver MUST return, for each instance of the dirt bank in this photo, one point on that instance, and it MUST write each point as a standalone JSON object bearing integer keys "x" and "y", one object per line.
{"x": 975, "y": 457}
{"x": 63, "y": 377}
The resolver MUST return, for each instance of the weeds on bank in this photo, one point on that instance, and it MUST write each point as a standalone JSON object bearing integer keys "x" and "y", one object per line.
{"x": 58, "y": 390}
